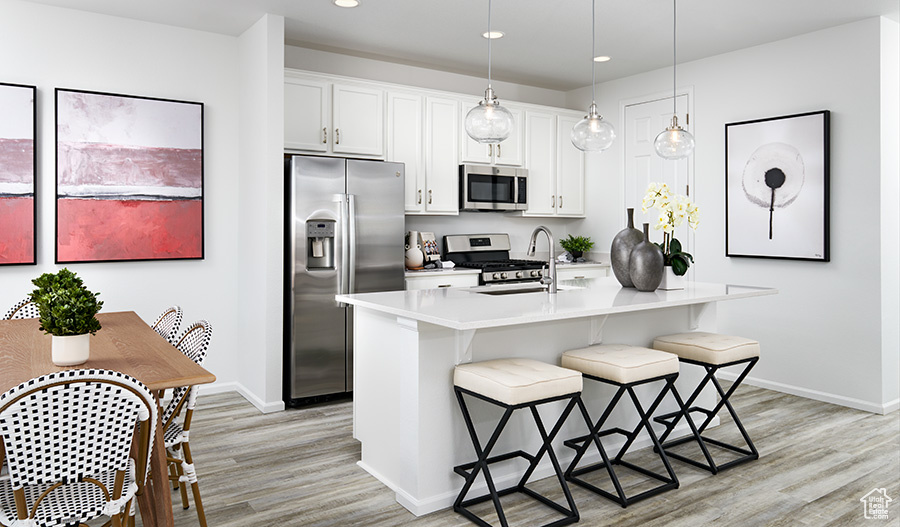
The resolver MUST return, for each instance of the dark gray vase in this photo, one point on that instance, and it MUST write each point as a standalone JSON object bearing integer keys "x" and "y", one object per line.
{"x": 620, "y": 252}
{"x": 646, "y": 264}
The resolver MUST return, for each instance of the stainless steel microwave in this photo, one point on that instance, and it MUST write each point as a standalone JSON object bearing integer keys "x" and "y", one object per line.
{"x": 490, "y": 188}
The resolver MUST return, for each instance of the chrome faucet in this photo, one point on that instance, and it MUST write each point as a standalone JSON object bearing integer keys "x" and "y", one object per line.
{"x": 545, "y": 280}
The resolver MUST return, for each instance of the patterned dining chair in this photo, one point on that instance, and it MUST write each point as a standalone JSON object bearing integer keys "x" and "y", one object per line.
{"x": 68, "y": 437}
{"x": 168, "y": 322}
{"x": 194, "y": 343}
{"x": 23, "y": 309}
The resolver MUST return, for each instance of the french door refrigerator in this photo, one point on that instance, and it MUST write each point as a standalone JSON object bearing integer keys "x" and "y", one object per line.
{"x": 344, "y": 229}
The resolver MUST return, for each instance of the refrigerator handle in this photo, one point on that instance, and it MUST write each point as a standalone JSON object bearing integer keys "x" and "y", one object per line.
{"x": 344, "y": 274}
{"x": 351, "y": 221}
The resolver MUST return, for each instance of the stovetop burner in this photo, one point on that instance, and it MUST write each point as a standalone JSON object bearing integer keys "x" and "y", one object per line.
{"x": 490, "y": 254}
{"x": 504, "y": 265}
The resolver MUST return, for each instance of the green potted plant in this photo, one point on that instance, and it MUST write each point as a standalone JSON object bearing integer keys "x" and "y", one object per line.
{"x": 67, "y": 312}
{"x": 577, "y": 245}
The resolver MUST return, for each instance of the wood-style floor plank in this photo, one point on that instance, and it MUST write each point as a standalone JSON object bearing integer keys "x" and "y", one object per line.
{"x": 298, "y": 468}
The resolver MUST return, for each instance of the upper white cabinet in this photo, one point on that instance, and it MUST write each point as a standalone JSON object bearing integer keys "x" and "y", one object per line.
{"x": 405, "y": 130}
{"x": 442, "y": 126}
{"x": 508, "y": 153}
{"x": 555, "y": 166}
{"x": 333, "y": 118}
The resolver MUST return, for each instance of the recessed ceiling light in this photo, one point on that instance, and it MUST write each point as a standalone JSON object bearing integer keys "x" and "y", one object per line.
{"x": 345, "y": 3}
{"x": 493, "y": 34}
{"x": 601, "y": 58}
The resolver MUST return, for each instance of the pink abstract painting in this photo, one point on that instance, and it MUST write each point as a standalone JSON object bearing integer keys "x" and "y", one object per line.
{"x": 129, "y": 178}
{"x": 17, "y": 230}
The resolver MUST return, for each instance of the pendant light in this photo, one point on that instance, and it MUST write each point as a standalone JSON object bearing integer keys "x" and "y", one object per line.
{"x": 593, "y": 134}
{"x": 489, "y": 122}
{"x": 674, "y": 142}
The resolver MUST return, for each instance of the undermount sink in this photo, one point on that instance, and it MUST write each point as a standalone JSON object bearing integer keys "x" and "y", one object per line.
{"x": 513, "y": 289}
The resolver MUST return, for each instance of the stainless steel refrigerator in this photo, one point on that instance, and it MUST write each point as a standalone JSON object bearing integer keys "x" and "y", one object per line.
{"x": 344, "y": 229}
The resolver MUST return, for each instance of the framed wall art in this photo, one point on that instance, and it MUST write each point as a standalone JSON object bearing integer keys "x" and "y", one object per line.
{"x": 129, "y": 178}
{"x": 776, "y": 187}
{"x": 18, "y": 159}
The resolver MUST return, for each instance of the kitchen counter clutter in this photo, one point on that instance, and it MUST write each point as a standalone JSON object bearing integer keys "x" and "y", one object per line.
{"x": 407, "y": 343}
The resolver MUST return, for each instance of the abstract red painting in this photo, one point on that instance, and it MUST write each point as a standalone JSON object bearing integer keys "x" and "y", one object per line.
{"x": 17, "y": 162}
{"x": 129, "y": 178}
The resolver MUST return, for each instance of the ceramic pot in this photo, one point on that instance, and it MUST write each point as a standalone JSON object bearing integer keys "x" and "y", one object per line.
{"x": 70, "y": 350}
{"x": 414, "y": 257}
{"x": 576, "y": 254}
{"x": 620, "y": 252}
{"x": 645, "y": 265}
{"x": 670, "y": 280}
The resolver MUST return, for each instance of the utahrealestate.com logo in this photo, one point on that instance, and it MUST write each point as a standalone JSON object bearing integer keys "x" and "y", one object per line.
{"x": 875, "y": 504}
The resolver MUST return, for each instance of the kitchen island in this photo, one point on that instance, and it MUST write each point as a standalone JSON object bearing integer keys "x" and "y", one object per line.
{"x": 406, "y": 344}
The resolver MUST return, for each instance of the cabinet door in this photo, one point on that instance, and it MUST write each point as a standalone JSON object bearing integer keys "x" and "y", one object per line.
{"x": 306, "y": 105}
{"x": 569, "y": 171}
{"x": 442, "y": 155}
{"x": 540, "y": 160}
{"x": 509, "y": 152}
{"x": 358, "y": 116}
{"x": 405, "y": 128}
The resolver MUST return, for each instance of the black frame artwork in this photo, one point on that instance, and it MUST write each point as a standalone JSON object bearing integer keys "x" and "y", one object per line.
{"x": 777, "y": 187}
{"x": 129, "y": 178}
{"x": 18, "y": 150}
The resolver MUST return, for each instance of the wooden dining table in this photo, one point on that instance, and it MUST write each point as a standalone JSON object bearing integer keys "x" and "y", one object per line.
{"x": 125, "y": 344}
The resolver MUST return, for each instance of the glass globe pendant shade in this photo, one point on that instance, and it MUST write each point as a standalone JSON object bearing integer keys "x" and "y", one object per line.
{"x": 593, "y": 134}
{"x": 674, "y": 142}
{"x": 489, "y": 122}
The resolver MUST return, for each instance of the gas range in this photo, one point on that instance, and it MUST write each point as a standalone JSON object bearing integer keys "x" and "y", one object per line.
{"x": 490, "y": 254}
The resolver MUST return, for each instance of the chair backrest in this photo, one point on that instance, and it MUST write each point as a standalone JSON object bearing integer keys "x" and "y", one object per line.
{"x": 168, "y": 322}
{"x": 193, "y": 343}
{"x": 23, "y": 309}
{"x": 72, "y": 424}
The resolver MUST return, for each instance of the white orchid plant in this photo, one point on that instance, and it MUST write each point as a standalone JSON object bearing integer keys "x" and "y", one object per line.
{"x": 673, "y": 210}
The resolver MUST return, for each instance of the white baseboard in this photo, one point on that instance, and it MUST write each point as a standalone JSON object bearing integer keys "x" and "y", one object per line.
{"x": 816, "y": 395}
{"x": 260, "y": 405}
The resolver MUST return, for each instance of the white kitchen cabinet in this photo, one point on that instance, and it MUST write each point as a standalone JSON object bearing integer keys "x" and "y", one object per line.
{"x": 332, "y": 118}
{"x": 508, "y": 152}
{"x": 442, "y": 125}
{"x": 405, "y": 129}
{"x": 555, "y": 166}
{"x": 580, "y": 271}
{"x": 441, "y": 279}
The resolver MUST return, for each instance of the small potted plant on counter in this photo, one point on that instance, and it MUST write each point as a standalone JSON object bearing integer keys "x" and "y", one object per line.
{"x": 673, "y": 210}
{"x": 67, "y": 310}
{"x": 576, "y": 245}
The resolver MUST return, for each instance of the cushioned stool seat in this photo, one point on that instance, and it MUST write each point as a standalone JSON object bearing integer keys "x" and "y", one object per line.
{"x": 516, "y": 381}
{"x": 514, "y": 384}
{"x": 625, "y": 367}
{"x": 620, "y": 363}
{"x": 712, "y": 352}
{"x": 710, "y": 348}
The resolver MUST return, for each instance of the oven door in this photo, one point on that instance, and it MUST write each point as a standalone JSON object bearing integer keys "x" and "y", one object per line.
{"x": 487, "y": 189}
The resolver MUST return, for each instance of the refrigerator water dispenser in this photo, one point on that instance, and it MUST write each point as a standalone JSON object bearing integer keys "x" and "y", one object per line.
{"x": 320, "y": 244}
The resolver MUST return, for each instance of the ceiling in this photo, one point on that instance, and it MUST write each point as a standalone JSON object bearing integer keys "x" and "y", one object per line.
{"x": 545, "y": 45}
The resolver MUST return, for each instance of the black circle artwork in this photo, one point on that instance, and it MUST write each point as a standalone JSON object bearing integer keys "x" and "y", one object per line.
{"x": 773, "y": 177}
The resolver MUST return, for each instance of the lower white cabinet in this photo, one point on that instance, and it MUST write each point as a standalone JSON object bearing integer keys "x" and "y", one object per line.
{"x": 581, "y": 271}
{"x": 427, "y": 280}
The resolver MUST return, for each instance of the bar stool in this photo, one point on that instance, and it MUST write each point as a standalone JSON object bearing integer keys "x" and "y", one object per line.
{"x": 712, "y": 352}
{"x": 625, "y": 367}
{"x": 513, "y": 384}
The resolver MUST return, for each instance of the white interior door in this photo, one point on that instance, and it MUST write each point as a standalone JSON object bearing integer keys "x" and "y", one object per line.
{"x": 643, "y": 122}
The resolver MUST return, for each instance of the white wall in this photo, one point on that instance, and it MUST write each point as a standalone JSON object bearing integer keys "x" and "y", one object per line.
{"x": 259, "y": 250}
{"x": 822, "y": 334}
{"x": 53, "y": 47}
{"x": 890, "y": 211}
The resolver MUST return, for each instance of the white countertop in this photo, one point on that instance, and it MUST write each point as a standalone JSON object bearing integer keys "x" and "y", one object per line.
{"x": 463, "y": 308}
{"x": 430, "y": 272}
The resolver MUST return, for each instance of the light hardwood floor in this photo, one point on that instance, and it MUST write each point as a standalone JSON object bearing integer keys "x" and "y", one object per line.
{"x": 298, "y": 468}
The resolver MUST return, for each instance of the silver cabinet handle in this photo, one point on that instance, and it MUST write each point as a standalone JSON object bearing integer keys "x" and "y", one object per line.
{"x": 498, "y": 150}
{"x": 324, "y": 135}
{"x": 337, "y": 136}
{"x": 419, "y": 201}
{"x": 429, "y": 197}
{"x": 490, "y": 150}
{"x": 444, "y": 285}
{"x": 560, "y": 201}
{"x": 552, "y": 202}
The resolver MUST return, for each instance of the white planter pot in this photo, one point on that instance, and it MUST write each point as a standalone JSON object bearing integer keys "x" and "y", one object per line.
{"x": 670, "y": 280}
{"x": 70, "y": 350}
